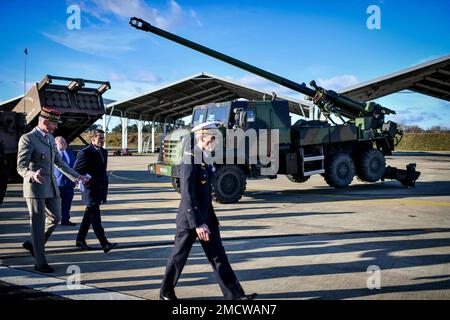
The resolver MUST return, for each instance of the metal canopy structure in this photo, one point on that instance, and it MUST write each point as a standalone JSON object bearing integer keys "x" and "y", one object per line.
{"x": 176, "y": 100}
{"x": 431, "y": 78}
{"x": 10, "y": 104}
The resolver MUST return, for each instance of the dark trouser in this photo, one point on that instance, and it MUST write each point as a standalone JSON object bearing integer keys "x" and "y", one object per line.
{"x": 3, "y": 186}
{"x": 92, "y": 215}
{"x": 214, "y": 250}
{"x": 66, "y": 203}
{"x": 3, "y": 181}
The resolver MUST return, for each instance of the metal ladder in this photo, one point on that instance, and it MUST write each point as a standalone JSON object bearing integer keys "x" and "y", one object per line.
{"x": 147, "y": 145}
{"x": 318, "y": 157}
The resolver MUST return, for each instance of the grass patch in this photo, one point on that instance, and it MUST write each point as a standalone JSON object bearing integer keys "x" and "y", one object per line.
{"x": 425, "y": 142}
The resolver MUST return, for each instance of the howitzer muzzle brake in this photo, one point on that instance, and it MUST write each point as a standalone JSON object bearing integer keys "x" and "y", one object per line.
{"x": 139, "y": 24}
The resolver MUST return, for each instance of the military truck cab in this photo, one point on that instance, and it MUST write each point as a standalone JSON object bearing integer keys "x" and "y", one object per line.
{"x": 229, "y": 181}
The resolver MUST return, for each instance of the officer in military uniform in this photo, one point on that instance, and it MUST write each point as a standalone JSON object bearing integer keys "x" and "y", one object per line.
{"x": 196, "y": 218}
{"x": 36, "y": 158}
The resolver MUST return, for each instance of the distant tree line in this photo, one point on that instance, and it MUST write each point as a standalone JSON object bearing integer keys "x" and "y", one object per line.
{"x": 146, "y": 128}
{"x": 417, "y": 129}
{"x": 132, "y": 129}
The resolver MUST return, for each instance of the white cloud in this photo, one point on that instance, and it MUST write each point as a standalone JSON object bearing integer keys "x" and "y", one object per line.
{"x": 335, "y": 83}
{"x": 338, "y": 83}
{"x": 111, "y": 35}
{"x": 194, "y": 15}
{"x": 104, "y": 10}
{"x": 126, "y": 88}
{"x": 263, "y": 84}
{"x": 97, "y": 41}
{"x": 407, "y": 117}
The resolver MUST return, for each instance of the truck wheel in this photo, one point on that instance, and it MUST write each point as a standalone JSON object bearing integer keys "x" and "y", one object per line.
{"x": 176, "y": 184}
{"x": 339, "y": 170}
{"x": 228, "y": 184}
{"x": 297, "y": 179}
{"x": 372, "y": 166}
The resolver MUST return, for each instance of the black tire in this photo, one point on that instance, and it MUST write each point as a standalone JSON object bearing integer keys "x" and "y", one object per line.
{"x": 339, "y": 170}
{"x": 228, "y": 184}
{"x": 372, "y": 165}
{"x": 297, "y": 179}
{"x": 176, "y": 184}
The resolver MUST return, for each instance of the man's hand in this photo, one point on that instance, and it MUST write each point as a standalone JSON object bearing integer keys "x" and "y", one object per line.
{"x": 83, "y": 179}
{"x": 37, "y": 177}
{"x": 203, "y": 232}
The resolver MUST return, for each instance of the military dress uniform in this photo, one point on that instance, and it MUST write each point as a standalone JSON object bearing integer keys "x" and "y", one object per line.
{"x": 37, "y": 150}
{"x": 196, "y": 209}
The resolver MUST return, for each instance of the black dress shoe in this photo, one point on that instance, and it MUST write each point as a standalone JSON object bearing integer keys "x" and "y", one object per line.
{"x": 68, "y": 223}
{"x": 108, "y": 247}
{"x": 247, "y": 297}
{"x": 167, "y": 296}
{"x": 83, "y": 245}
{"x": 44, "y": 268}
{"x": 27, "y": 245}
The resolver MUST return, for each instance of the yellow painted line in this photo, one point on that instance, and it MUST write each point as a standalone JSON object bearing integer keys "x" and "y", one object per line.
{"x": 112, "y": 173}
{"x": 377, "y": 202}
{"x": 390, "y": 202}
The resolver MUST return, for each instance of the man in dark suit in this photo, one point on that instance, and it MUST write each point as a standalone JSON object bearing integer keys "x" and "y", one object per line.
{"x": 65, "y": 185}
{"x": 196, "y": 218}
{"x": 93, "y": 161}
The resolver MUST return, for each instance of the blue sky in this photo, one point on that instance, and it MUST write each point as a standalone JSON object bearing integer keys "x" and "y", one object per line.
{"x": 301, "y": 40}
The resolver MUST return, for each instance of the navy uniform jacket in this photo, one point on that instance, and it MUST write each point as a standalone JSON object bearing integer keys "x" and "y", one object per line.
{"x": 94, "y": 162}
{"x": 196, "y": 201}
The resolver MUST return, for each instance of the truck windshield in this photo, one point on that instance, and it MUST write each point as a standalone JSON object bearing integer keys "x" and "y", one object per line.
{"x": 198, "y": 116}
{"x": 217, "y": 114}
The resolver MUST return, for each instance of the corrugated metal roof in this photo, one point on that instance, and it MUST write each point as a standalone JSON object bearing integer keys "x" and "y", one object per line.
{"x": 431, "y": 78}
{"x": 176, "y": 100}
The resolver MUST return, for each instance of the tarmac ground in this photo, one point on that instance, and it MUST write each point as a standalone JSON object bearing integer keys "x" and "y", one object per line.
{"x": 284, "y": 240}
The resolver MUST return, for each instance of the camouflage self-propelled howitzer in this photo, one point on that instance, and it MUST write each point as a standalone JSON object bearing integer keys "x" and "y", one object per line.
{"x": 356, "y": 146}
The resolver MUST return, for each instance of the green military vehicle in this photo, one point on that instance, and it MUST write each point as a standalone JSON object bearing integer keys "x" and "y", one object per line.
{"x": 79, "y": 100}
{"x": 12, "y": 126}
{"x": 356, "y": 146}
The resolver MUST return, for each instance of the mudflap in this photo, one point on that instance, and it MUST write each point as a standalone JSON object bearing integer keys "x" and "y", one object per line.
{"x": 406, "y": 177}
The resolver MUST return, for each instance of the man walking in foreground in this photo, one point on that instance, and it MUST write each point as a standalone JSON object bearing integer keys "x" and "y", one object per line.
{"x": 93, "y": 160}
{"x": 196, "y": 218}
{"x": 36, "y": 159}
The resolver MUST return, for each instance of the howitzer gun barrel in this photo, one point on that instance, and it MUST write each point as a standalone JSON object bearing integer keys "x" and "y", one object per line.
{"x": 326, "y": 100}
{"x": 145, "y": 26}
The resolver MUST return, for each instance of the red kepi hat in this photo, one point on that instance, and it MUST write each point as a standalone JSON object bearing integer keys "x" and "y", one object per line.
{"x": 51, "y": 114}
